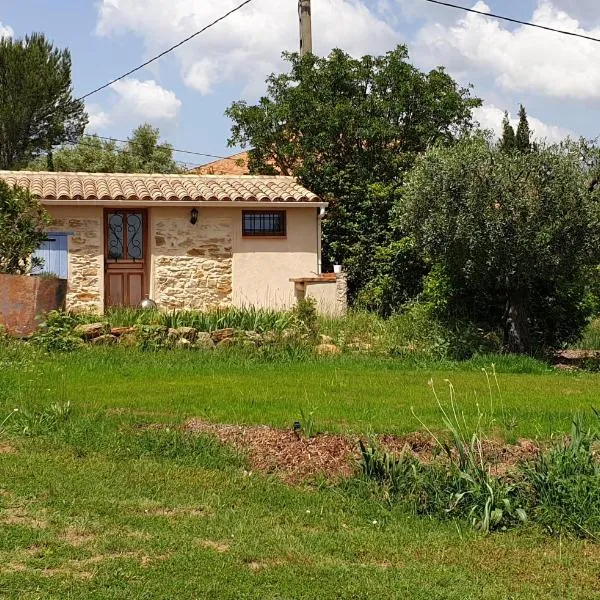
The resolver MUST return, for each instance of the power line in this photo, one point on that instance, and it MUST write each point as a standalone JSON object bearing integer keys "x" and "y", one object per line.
{"x": 111, "y": 139}
{"x": 511, "y": 20}
{"x": 187, "y": 165}
{"x": 167, "y": 51}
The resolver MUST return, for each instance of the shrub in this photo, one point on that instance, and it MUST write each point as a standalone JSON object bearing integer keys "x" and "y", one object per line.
{"x": 55, "y": 334}
{"x": 23, "y": 221}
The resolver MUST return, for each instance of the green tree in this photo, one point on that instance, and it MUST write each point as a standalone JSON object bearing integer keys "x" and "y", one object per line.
{"x": 350, "y": 129}
{"x": 514, "y": 235}
{"x": 23, "y": 222}
{"x": 523, "y": 137}
{"x": 142, "y": 154}
{"x": 508, "y": 141}
{"x": 37, "y": 108}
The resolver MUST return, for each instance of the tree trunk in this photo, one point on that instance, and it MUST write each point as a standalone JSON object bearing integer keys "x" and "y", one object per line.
{"x": 517, "y": 339}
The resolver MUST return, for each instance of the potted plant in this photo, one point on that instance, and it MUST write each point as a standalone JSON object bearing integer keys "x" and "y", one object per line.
{"x": 23, "y": 223}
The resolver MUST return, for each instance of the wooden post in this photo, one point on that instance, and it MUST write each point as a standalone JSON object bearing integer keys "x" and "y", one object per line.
{"x": 304, "y": 12}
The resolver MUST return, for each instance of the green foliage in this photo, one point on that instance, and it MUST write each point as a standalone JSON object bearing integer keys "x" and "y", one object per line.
{"x": 142, "y": 154}
{"x": 306, "y": 317}
{"x": 350, "y": 129}
{"x": 308, "y": 424}
{"x": 55, "y": 334}
{"x": 395, "y": 277}
{"x": 514, "y": 235}
{"x": 37, "y": 108}
{"x": 565, "y": 482}
{"x": 508, "y": 141}
{"x": 244, "y": 319}
{"x": 523, "y": 136}
{"x": 22, "y": 222}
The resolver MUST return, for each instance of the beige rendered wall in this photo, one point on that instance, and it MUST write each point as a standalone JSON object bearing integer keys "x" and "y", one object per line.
{"x": 262, "y": 267}
{"x": 86, "y": 254}
{"x": 326, "y": 296}
{"x": 191, "y": 265}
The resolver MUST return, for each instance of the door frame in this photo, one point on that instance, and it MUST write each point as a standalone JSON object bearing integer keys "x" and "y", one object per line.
{"x": 146, "y": 250}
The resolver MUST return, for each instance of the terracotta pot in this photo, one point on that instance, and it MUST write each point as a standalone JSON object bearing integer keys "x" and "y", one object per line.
{"x": 24, "y": 299}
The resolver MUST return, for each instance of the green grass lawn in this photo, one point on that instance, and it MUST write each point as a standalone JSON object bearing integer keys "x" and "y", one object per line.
{"x": 101, "y": 508}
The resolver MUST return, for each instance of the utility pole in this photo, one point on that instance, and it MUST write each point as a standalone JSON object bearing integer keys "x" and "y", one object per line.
{"x": 305, "y": 27}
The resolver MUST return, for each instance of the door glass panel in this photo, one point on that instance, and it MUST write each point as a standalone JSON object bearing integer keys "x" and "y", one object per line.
{"x": 116, "y": 236}
{"x": 135, "y": 236}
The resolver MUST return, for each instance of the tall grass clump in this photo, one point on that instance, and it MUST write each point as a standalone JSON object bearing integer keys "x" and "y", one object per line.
{"x": 458, "y": 483}
{"x": 243, "y": 319}
{"x": 565, "y": 483}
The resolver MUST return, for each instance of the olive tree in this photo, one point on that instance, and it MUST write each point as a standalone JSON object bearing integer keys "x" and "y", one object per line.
{"x": 23, "y": 221}
{"x": 514, "y": 233}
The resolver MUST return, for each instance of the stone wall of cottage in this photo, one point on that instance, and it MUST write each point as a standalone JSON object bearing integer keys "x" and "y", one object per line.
{"x": 192, "y": 264}
{"x": 86, "y": 247}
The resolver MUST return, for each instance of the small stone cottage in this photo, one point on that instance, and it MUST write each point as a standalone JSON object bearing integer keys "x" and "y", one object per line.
{"x": 185, "y": 241}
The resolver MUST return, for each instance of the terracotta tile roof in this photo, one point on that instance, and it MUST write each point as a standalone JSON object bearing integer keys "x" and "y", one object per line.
{"x": 156, "y": 187}
{"x": 237, "y": 164}
{"x": 232, "y": 165}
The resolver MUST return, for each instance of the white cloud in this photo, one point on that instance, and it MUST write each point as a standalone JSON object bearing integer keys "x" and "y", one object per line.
{"x": 521, "y": 59}
{"x": 490, "y": 117}
{"x": 247, "y": 46}
{"x": 146, "y": 100}
{"x": 98, "y": 118}
{"x": 6, "y": 31}
{"x": 583, "y": 10}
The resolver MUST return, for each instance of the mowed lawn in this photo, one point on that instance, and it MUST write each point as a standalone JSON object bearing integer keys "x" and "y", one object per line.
{"x": 99, "y": 507}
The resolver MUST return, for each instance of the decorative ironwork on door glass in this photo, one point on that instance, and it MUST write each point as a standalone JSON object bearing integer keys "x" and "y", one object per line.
{"x": 125, "y": 236}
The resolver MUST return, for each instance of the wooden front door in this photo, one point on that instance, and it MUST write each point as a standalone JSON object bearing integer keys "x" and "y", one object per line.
{"x": 125, "y": 255}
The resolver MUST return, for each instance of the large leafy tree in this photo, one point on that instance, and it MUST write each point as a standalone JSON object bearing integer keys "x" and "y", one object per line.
{"x": 37, "y": 108}
{"x": 514, "y": 234}
{"x": 23, "y": 221}
{"x": 143, "y": 153}
{"x": 350, "y": 129}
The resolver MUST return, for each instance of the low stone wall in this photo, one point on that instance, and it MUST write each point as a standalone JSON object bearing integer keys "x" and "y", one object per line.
{"x": 24, "y": 300}
{"x": 192, "y": 264}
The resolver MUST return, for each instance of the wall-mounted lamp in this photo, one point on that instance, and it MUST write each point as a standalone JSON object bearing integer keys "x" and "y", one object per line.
{"x": 194, "y": 216}
{"x": 322, "y": 213}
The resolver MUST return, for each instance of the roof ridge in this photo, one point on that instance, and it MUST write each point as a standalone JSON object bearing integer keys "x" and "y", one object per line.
{"x": 141, "y": 175}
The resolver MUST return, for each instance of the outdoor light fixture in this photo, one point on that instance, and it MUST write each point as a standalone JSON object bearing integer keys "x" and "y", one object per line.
{"x": 297, "y": 428}
{"x": 194, "y": 216}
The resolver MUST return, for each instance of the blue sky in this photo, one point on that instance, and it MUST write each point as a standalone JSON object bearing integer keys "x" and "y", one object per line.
{"x": 186, "y": 93}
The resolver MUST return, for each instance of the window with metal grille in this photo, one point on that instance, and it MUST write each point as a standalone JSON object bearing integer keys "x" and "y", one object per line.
{"x": 263, "y": 223}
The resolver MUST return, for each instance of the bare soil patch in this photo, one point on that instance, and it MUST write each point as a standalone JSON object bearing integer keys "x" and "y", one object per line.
{"x": 296, "y": 459}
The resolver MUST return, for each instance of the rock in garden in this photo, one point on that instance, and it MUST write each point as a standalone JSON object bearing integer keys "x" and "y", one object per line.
{"x": 204, "y": 341}
{"x": 119, "y": 331}
{"x": 226, "y": 343}
{"x": 325, "y": 339}
{"x": 183, "y": 343}
{"x": 128, "y": 339}
{"x": 90, "y": 331}
{"x": 185, "y": 333}
{"x": 222, "y": 334}
{"x": 105, "y": 340}
{"x": 327, "y": 350}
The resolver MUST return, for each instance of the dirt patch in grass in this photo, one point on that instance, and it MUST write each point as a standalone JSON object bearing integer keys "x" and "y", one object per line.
{"x": 219, "y": 547}
{"x": 283, "y": 452}
{"x": 77, "y": 537}
{"x": 16, "y": 515}
{"x": 297, "y": 459}
{"x": 7, "y": 449}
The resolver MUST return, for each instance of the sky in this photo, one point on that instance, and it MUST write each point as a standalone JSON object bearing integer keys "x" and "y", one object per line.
{"x": 185, "y": 94}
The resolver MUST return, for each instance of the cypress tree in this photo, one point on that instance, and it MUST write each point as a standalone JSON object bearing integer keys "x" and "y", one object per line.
{"x": 508, "y": 141}
{"x": 523, "y": 137}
